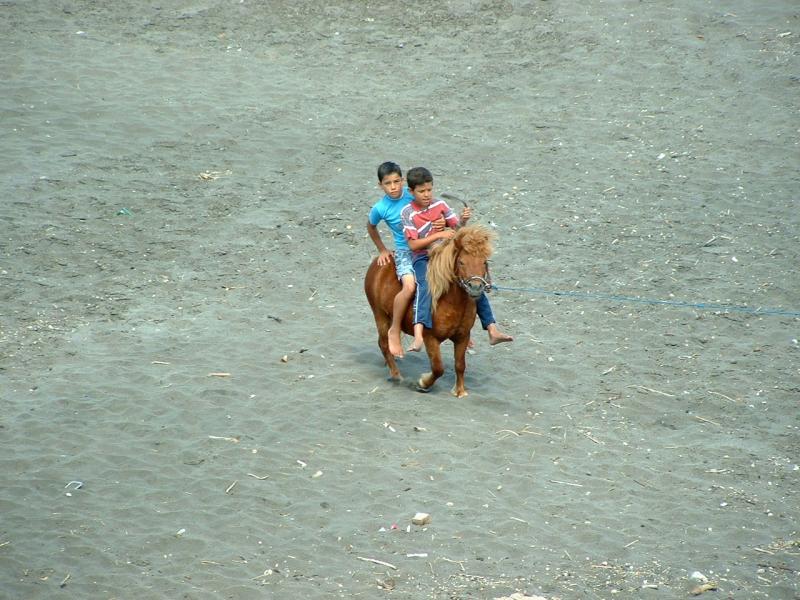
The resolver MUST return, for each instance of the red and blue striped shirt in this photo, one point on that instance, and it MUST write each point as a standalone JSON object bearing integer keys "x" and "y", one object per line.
{"x": 418, "y": 223}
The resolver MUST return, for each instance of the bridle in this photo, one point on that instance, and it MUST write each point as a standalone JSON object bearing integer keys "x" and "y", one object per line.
{"x": 485, "y": 282}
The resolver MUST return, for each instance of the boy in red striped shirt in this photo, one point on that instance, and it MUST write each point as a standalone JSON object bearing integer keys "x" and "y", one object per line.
{"x": 418, "y": 219}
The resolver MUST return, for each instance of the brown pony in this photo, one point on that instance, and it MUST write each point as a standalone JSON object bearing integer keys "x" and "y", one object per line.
{"x": 458, "y": 274}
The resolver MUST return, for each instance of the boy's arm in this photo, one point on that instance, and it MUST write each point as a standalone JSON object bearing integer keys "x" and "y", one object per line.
{"x": 384, "y": 254}
{"x": 420, "y": 243}
{"x": 451, "y": 218}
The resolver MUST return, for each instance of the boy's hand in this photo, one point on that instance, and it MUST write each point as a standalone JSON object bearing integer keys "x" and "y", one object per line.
{"x": 446, "y": 234}
{"x": 466, "y": 214}
{"x": 439, "y": 224}
{"x": 384, "y": 258}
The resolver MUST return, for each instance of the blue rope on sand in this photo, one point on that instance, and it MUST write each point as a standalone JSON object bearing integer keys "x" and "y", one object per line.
{"x": 701, "y": 305}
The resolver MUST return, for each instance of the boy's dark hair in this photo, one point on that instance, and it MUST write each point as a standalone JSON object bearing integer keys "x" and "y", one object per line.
{"x": 388, "y": 168}
{"x": 418, "y": 176}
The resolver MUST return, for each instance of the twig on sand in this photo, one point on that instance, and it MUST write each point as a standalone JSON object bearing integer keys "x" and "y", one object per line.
{"x": 631, "y": 543}
{"x": 588, "y": 435}
{"x": 757, "y": 549}
{"x": 235, "y": 440}
{"x": 231, "y": 486}
{"x": 376, "y": 561}
{"x": 707, "y": 421}
{"x": 219, "y": 374}
{"x": 6, "y": 543}
{"x": 783, "y": 567}
{"x": 728, "y": 398}
{"x": 507, "y": 432}
{"x": 647, "y": 389}
{"x": 460, "y": 563}
{"x": 159, "y": 362}
{"x": 565, "y": 483}
{"x": 714, "y": 239}
{"x": 264, "y": 575}
{"x": 262, "y": 478}
{"x": 65, "y": 580}
{"x": 510, "y": 432}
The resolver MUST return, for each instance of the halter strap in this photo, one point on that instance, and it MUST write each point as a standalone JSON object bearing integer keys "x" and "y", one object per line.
{"x": 486, "y": 282}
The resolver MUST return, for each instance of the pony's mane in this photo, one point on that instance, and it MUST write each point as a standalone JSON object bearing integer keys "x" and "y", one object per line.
{"x": 470, "y": 239}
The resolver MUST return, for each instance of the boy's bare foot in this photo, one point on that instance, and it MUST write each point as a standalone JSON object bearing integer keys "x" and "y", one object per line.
{"x": 497, "y": 337}
{"x": 416, "y": 345}
{"x": 395, "y": 345}
{"x": 471, "y": 344}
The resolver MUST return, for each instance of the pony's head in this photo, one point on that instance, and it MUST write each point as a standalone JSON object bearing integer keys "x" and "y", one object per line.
{"x": 464, "y": 260}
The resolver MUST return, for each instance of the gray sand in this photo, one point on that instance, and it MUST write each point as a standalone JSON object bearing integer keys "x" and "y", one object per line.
{"x": 184, "y": 193}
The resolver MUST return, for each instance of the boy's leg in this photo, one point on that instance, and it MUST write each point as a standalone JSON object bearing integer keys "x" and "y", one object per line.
{"x": 401, "y": 301}
{"x": 422, "y": 303}
{"x": 419, "y": 341}
{"x": 405, "y": 273}
{"x": 488, "y": 322}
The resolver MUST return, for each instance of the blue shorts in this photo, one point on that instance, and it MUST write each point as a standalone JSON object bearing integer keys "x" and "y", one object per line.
{"x": 403, "y": 264}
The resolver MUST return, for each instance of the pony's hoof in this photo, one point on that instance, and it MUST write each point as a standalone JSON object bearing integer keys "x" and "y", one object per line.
{"x": 457, "y": 394}
{"x": 423, "y": 390}
{"x": 395, "y": 378}
{"x": 424, "y": 383}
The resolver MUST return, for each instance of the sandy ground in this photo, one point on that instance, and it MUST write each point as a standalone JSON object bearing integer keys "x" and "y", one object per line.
{"x": 183, "y": 328}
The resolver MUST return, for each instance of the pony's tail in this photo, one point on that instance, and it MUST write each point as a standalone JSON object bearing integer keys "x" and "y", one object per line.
{"x": 441, "y": 270}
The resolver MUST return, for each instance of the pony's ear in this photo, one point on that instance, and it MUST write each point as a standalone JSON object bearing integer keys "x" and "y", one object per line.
{"x": 457, "y": 242}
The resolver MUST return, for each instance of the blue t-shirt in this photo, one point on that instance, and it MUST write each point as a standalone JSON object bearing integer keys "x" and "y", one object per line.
{"x": 388, "y": 209}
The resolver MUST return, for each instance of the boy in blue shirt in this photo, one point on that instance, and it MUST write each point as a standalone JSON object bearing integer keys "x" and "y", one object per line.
{"x": 388, "y": 209}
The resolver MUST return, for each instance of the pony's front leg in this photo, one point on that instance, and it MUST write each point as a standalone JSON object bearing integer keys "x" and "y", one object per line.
{"x": 426, "y": 380}
{"x": 383, "y": 344}
{"x": 460, "y": 360}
